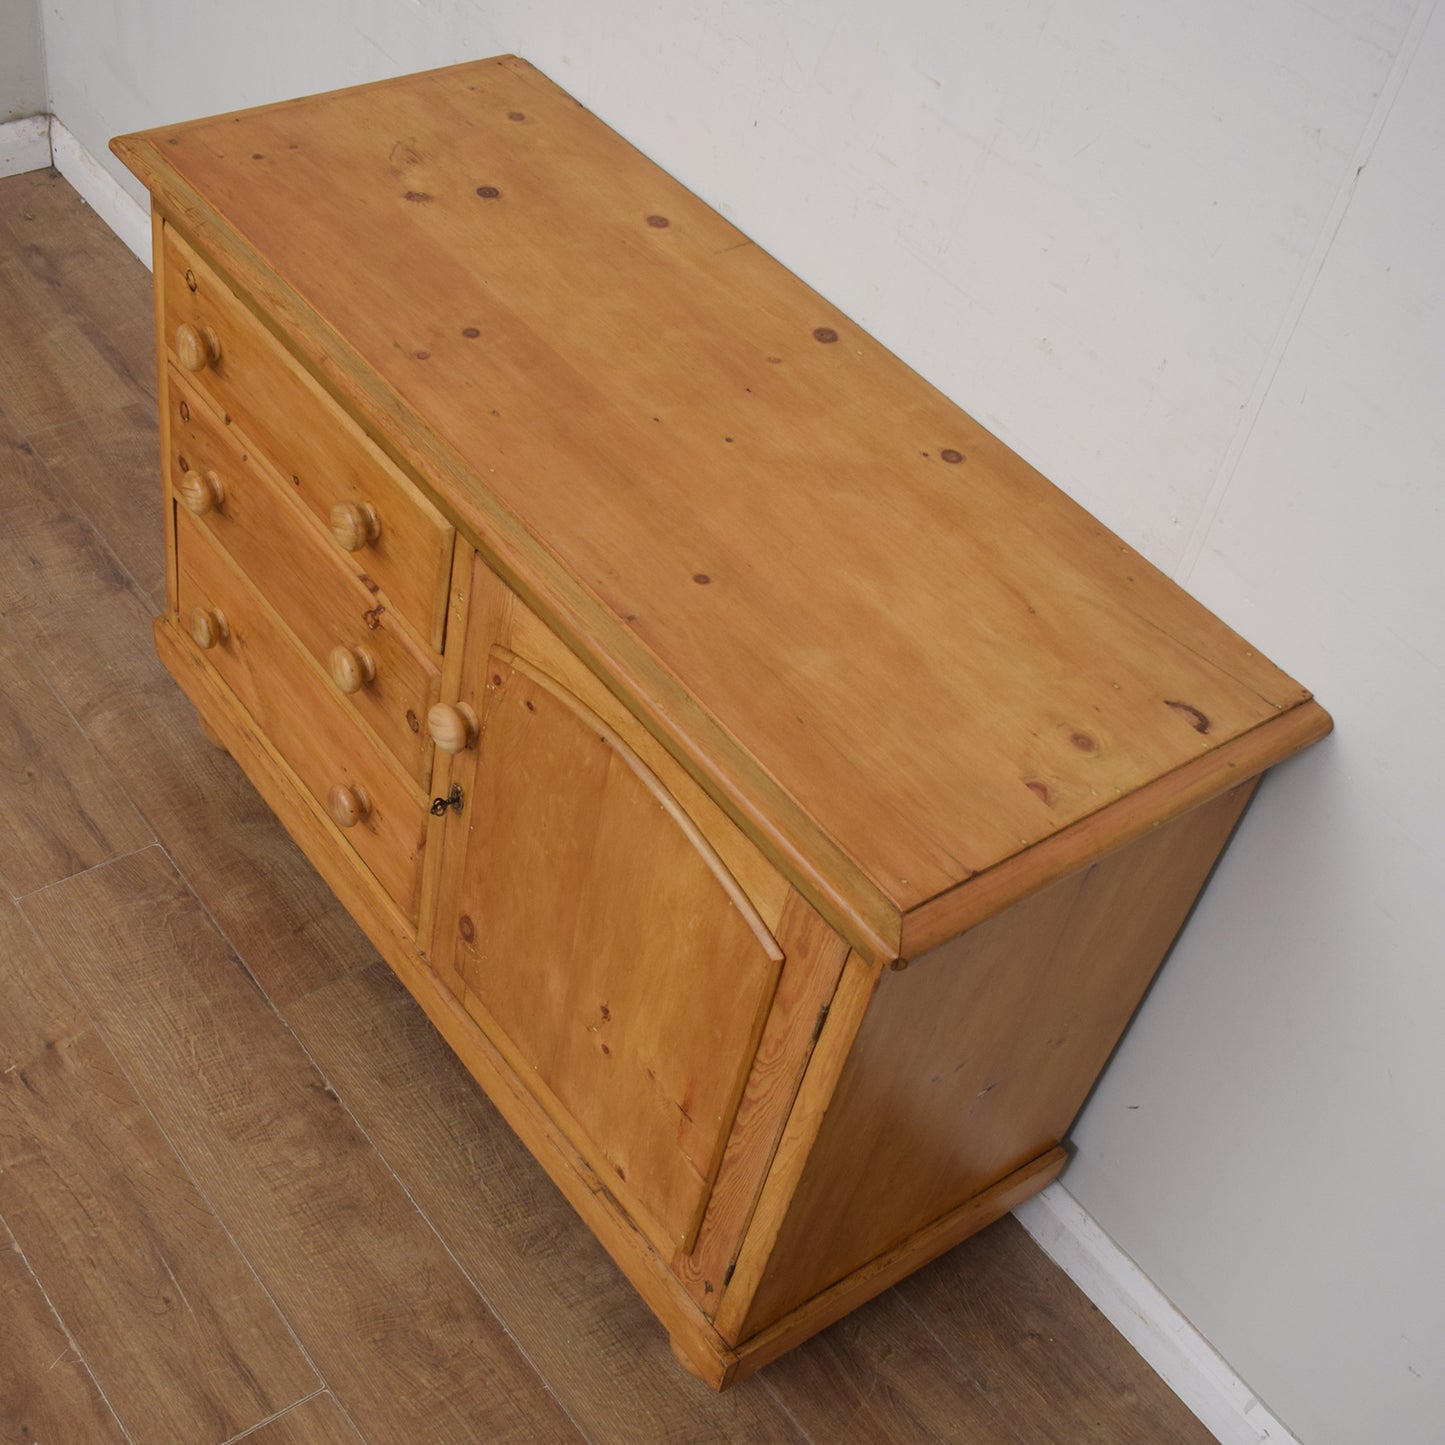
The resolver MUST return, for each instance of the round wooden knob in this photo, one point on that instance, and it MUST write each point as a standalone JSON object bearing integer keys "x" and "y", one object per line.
{"x": 354, "y": 525}
{"x": 197, "y": 347}
{"x": 200, "y": 491}
{"x": 209, "y": 627}
{"x": 351, "y": 668}
{"x": 347, "y": 804}
{"x": 453, "y": 726}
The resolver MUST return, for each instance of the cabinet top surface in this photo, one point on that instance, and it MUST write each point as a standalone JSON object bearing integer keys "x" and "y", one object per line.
{"x": 880, "y": 634}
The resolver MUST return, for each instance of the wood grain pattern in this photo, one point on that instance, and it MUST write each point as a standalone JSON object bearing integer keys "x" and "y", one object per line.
{"x": 324, "y": 600}
{"x": 317, "y": 1421}
{"x": 276, "y": 412}
{"x": 378, "y": 1303}
{"x": 164, "y": 1309}
{"x": 46, "y": 1391}
{"x": 977, "y": 1058}
{"x": 61, "y": 810}
{"x": 1048, "y": 669}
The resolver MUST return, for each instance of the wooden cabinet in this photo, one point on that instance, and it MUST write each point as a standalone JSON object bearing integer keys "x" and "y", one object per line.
{"x": 777, "y": 793}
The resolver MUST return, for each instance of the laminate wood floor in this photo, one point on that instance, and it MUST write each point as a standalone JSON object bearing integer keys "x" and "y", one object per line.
{"x": 245, "y": 1190}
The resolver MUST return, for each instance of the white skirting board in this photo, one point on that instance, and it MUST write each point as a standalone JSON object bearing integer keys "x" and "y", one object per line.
{"x": 105, "y": 195}
{"x": 1177, "y": 1352}
{"x": 24, "y": 145}
{"x": 1128, "y": 1299}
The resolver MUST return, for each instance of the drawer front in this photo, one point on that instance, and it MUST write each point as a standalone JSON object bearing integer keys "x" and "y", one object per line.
{"x": 320, "y": 595}
{"x": 295, "y": 708}
{"x": 401, "y": 540}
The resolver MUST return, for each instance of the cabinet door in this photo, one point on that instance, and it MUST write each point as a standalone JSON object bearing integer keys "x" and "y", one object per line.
{"x": 604, "y": 947}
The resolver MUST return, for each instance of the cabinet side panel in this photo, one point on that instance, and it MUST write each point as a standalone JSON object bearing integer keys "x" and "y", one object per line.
{"x": 976, "y": 1059}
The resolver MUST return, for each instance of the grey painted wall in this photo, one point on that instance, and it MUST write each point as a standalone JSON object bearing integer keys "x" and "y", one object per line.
{"x": 1190, "y": 261}
{"x": 22, "y": 61}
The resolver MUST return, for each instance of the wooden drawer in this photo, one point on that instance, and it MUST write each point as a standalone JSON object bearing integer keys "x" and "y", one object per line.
{"x": 300, "y": 714}
{"x": 283, "y": 414}
{"x": 319, "y": 592}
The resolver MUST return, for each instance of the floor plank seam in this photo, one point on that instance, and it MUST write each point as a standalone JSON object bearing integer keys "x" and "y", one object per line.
{"x": 776, "y": 1396}
{"x": 63, "y": 493}
{"x": 9, "y": 1234}
{"x": 170, "y": 1142}
{"x": 251, "y": 1430}
{"x": 56, "y": 788}
{"x": 21, "y": 898}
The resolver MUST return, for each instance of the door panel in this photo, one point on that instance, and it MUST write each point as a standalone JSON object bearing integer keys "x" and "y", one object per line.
{"x": 601, "y": 935}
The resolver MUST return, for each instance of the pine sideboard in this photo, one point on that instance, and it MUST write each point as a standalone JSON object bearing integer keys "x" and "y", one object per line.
{"x": 776, "y": 792}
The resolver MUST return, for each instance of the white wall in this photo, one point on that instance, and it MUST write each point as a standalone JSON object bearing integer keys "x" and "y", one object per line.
{"x": 22, "y": 63}
{"x": 1267, "y": 1142}
{"x": 1138, "y": 243}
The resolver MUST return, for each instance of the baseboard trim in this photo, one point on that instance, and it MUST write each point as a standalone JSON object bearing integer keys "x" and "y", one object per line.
{"x": 1167, "y": 1342}
{"x": 24, "y": 145}
{"x": 101, "y": 191}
